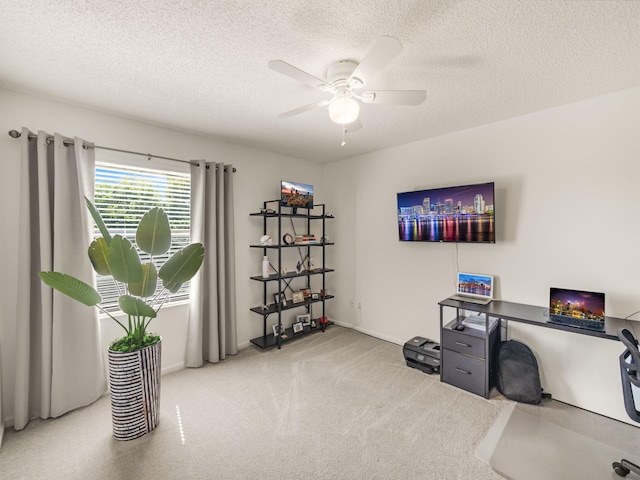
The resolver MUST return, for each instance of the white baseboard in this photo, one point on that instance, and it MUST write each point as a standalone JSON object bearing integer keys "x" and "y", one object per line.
{"x": 172, "y": 368}
{"x": 369, "y": 332}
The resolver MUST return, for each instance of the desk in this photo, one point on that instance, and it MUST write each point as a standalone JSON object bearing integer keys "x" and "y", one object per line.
{"x": 539, "y": 316}
{"x": 473, "y": 370}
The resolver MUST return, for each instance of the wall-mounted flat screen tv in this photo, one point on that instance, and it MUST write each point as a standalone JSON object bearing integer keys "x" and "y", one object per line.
{"x": 449, "y": 214}
{"x": 296, "y": 195}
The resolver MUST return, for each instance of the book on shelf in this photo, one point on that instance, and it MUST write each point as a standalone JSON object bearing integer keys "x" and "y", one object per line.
{"x": 305, "y": 239}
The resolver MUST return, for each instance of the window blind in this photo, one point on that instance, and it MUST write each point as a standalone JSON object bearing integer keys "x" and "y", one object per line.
{"x": 123, "y": 194}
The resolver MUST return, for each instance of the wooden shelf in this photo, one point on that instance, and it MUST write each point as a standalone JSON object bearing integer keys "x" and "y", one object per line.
{"x": 294, "y": 215}
{"x": 273, "y": 308}
{"x": 276, "y": 246}
{"x": 305, "y": 273}
{"x": 271, "y": 341}
{"x": 268, "y": 340}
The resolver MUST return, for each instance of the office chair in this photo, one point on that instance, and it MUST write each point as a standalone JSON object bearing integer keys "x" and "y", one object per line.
{"x": 630, "y": 373}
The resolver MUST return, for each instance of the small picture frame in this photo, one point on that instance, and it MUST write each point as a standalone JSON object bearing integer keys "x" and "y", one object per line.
{"x": 306, "y": 292}
{"x": 280, "y": 297}
{"x": 304, "y": 319}
{"x": 298, "y": 327}
{"x": 297, "y": 297}
{"x": 314, "y": 296}
{"x": 278, "y": 330}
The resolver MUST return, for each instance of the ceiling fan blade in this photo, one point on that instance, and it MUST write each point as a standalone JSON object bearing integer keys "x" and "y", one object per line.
{"x": 395, "y": 97}
{"x": 297, "y": 74}
{"x": 384, "y": 50}
{"x": 306, "y": 108}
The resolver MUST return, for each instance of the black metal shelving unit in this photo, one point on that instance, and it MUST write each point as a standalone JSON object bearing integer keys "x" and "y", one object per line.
{"x": 285, "y": 280}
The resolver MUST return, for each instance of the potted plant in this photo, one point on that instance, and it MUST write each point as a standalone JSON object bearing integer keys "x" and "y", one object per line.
{"x": 134, "y": 360}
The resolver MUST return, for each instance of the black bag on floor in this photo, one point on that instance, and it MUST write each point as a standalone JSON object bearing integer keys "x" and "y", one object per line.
{"x": 517, "y": 373}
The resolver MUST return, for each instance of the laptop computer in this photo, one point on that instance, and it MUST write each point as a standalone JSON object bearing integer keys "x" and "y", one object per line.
{"x": 474, "y": 288}
{"x": 576, "y": 308}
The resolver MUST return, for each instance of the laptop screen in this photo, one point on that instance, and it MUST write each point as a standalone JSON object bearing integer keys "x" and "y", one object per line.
{"x": 475, "y": 285}
{"x": 577, "y": 304}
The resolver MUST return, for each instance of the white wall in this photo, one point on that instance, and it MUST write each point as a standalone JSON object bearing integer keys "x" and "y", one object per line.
{"x": 567, "y": 208}
{"x": 257, "y": 179}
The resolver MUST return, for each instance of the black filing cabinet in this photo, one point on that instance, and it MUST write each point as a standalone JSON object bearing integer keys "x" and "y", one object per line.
{"x": 467, "y": 360}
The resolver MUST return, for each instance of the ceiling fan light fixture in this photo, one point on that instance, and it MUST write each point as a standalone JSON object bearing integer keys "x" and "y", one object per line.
{"x": 344, "y": 110}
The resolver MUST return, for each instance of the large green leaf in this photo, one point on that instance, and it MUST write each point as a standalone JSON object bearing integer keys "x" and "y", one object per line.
{"x": 135, "y": 307}
{"x": 154, "y": 233}
{"x": 147, "y": 286}
{"x": 71, "y": 286}
{"x": 124, "y": 261}
{"x": 182, "y": 265}
{"x": 99, "y": 256}
{"x": 99, "y": 222}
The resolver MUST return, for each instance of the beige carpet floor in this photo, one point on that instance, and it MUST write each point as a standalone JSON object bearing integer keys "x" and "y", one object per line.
{"x": 333, "y": 405}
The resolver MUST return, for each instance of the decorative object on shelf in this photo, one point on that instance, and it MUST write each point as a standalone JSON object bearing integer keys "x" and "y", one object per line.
{"x": 299, "y": 267}
{"x": 304, "y": 319}
{"x": 134, "y": 360}
{"x": 283, "y": 271}
{"x": 298, "y": 297}
{"x": 287, "y": 239}
{"x": 265, "y": 267}
{"x": 279, "y": 297}
{"x": 278, "y": 330}
{"x": 325, "y": 239}
{"x": 264, "y": 307}
{"x": 265, "y": 240}
{"x": 314, "y": 296}
{"x": 267, "y": 210}
{"x": 312, "y": 266}
{"x": 306, "y": 292}
{"x": 324, "y": 292}
{"x": 297, "y": 327}
{"x": 323, "y": 321}
{"x": 314, "y": 324}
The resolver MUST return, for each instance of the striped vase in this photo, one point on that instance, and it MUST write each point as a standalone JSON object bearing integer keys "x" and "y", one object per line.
{"x": 134, "y": 379}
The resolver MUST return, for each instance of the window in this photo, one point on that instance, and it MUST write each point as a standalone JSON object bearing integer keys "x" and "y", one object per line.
{"x": 123, "y": 193}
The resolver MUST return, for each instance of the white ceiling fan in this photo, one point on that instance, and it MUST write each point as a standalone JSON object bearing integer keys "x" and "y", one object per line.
{"x": 346, "y": 78}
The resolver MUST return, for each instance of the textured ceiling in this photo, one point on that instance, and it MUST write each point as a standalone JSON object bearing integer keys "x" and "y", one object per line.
{"x": 201, "y": 66}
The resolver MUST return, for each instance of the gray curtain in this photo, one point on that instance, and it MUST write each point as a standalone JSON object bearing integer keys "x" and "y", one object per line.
{"x": 212, "y": 331}
{"x": 59, "y": 365}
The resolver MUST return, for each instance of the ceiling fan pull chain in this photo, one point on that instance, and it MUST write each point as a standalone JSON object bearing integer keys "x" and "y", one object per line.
{"x": 344, "y": 130}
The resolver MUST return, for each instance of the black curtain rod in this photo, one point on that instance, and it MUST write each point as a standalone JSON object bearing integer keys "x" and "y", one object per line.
{"x": 33, "y": 136}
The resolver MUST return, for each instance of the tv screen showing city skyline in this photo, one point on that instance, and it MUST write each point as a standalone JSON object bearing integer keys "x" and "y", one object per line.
{"x": 448, "y": 214}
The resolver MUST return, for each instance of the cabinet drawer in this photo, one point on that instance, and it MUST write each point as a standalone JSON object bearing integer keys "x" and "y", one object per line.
{"x": 460, "y": 342}
{"x": 464, "y": 372}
